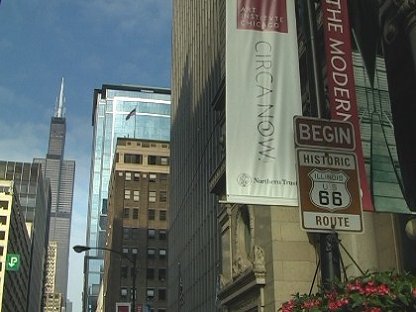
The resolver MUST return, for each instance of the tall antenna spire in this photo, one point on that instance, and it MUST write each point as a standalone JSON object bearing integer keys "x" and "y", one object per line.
{"x": 59, "y": 109}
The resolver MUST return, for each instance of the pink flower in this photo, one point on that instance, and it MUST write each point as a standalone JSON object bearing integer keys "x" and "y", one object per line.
{"x": 355, "y": 286}
{"x": 334, "y": 305}
{"x": 311, "y": 303}
{"x": 414, "y": 292}
{"x": 383, "y": 289}
{"x": 288, "y": 306}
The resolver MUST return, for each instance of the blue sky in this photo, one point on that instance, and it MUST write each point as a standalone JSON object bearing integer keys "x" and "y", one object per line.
{"x": 89, "y": 43}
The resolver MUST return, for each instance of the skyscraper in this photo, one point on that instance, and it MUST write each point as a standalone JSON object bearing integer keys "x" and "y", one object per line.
{"x": 14, "y": 241}
{"x": 137, "y": 225}
{"x": 118, "y": 111}
{"x": 35, "y": 200}
{"x": 60, "y": 173}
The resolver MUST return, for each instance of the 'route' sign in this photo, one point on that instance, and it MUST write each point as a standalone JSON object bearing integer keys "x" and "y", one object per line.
{"x": 328, "y": 179}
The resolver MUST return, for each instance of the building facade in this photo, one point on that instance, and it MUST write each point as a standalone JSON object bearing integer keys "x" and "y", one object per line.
{"x": 15, "y": 242}
{"x": 118, "y": 111}
{"x": 239, "y": 257}
{"x": 61, "y": 174}
{"x": 50, "y": 269}
{"x": 35, "y": 201}
{"x": 53, "y": 302}
{"x": 138, "y": 206}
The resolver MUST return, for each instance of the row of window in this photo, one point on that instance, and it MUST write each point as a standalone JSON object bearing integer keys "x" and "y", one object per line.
{"x": 153, "y": 177}
{"x": 138, "y": 159}
{"x": 150, "y": 293}
{"x": 151, "y": 214}
{"x": 133, "y": 234}
{"x": 151, "y": 252}
{"x": 152, "y": 196}
{"x": 151, "y": 274}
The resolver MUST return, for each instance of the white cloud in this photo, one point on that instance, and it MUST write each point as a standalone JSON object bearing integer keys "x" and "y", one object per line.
{"x": 22, "y": 142}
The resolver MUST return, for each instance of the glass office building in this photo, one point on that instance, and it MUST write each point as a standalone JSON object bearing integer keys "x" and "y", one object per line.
{"x": 118, "y": 111}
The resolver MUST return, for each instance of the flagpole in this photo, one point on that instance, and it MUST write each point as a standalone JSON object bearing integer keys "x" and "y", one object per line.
{"x": 129, "y": 115}
{"x": 135, "y": 117}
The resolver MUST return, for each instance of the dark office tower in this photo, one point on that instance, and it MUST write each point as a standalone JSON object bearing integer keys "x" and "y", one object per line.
{"x": 118, "y": 111}
{"x": 35, "y": 202}
{"x": 60, "y": 172}
{"x": 228, "y": 254}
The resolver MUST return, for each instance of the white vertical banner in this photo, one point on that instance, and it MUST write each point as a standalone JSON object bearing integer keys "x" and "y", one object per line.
{"x": 262, "y": 96}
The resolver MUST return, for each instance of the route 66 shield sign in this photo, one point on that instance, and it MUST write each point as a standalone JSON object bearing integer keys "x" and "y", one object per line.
{"x": 329, "y": 189}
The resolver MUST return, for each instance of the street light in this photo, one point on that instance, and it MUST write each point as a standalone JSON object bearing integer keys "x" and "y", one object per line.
{"x": 80, "y": 248}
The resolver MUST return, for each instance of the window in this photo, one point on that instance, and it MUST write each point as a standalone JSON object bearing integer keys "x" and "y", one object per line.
{"x": 150, "y": 293}
{"x": 132, "y": 159}
{"x": 136, "y": 176}
{"x": 126, "y": 233}
{"x": 127, "y": 194}
{"x": 4, "y": 204}
{"x": 151, "y": 252}
{"x": 152, "y": 177}
{"x": 163, "y": 196}
{"x": 126, "y": 212}
{"x": 136, "y": 195}
{"x": 151, "y": 233}
{"x": 164, "y": 161}
{"x": 134, "y": 233}
{"x": 125, "y": 250}
{"x": 123, "y": 271}
{"x": 162, "y": 294}
{"x": 123, "y": 292}
{"x": 151, "y": 160}
{"x": 150, "y": 273}
{"x": 134, "y": 251}
{"x": 162, "y": 253}
{"x": 2, "y": 235}
{"x": 162, "y": 235}
{"x": 162, "y": 215}
{"x": 151, "y": 213}
{"x": 163, "y": 177}
{"x": 162, "y": 275}
{"x": 135, "y": 213}
{"x": 128, "y": 176}
{"x": 152, "y": 196}
{"x": 104, "y": 208}
{"x": 3, "y": 220}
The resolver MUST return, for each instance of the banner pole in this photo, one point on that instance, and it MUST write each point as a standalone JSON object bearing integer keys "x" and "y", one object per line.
{"x": 329, "y": 249}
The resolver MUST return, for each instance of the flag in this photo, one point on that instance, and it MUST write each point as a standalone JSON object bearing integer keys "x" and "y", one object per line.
{"x": 133, "y": 112}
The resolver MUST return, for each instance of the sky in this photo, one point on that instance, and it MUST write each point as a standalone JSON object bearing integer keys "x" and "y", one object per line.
{"x": 89, "y": 43}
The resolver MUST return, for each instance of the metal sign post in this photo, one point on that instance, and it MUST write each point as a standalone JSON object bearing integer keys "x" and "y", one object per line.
{"x": 328, "y": 184}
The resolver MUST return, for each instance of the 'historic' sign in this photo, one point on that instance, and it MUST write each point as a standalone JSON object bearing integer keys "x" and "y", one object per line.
{"x": 328, "y": 179}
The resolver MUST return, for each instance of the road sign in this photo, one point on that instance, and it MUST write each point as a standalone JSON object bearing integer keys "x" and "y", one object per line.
{"x": 328, "y": 179}
{"x": 322, "y": 133}
{"x": 329, "y": 191}
{"x": 12, "y": 262}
